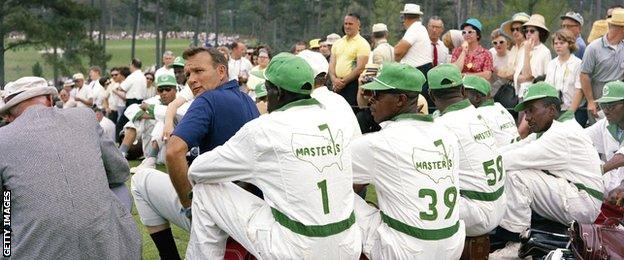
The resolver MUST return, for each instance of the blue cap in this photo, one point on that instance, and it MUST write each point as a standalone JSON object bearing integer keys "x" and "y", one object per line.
{"x": 474, "y": 23}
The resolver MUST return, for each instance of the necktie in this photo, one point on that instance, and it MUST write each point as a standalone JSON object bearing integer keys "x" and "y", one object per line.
{"x": 435, "y": 54}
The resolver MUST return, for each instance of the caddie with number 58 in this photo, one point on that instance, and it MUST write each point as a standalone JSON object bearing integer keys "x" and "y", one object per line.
{"x": 413, "y": 164}
{"x": 299, "y": 156}
{"x": 481, "y": 173}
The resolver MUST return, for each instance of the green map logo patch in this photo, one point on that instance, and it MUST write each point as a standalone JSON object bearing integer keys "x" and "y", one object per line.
{"x": 320, "y": 150}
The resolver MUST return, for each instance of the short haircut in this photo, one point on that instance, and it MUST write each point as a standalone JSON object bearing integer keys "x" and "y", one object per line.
{"x": 136, "y": 63}
{"x": 233, "y": 45}
{"x": 125, "y": 71}
{"x": 167, "y": 53}
{"x": 498, "y": 33}
{"x": 436, "y": 18}
{"x": 96, "y": 69}
{"x": 547, "y": 101}
{"x": 565, "y": 35}
{"x": 379, "y": 35}
{"x": 354, "y": 15}
{"x": 217, "y": 57}
{"x": 446, "y": 93}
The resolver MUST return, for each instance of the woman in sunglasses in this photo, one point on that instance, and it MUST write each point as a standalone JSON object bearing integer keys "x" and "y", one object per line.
{"x": 471, "y": 57}
{"x": 500, "y": 60}
{"x": 533, "y": 58}
{"x": 151, "y": 89}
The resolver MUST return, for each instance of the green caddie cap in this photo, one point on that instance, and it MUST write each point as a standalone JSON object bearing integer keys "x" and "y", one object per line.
{"x": 612, "y": 91}
{"x": 166, "y": 80}
{"x": 179, "y": 61}
{"x": 536, "y": 91}
{"x": 477, "y": 83}
{"x": 289, "y": 72}
{"x": 397, "y": 76}
{"x": 260, "y": 90}
{"x": 444, "y": 76}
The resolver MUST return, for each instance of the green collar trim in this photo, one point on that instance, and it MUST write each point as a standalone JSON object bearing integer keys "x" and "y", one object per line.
{"x": 567, "y": 115}
{"x": 424, "y": 234}
{"x": 298, "y": 103}
{"x": 487, "y": 103}
{"x": 413, "y": 116}
{"x": 457, "y": 106}
{"x": 613, "y": 130}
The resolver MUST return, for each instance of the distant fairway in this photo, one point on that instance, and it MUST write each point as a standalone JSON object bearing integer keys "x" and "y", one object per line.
{"x": 19, "y": 63}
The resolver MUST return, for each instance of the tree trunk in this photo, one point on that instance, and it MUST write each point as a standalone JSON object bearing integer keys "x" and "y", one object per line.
{"x": 55, "y": 70}
{"x": 216, "y": 22}
{"x": 197, "y": 22}
{"x": 163, "y": 45}
{"x": 157, "y": 31}
{"x": 105, "y": 13}
{"x": 135, "y": 26}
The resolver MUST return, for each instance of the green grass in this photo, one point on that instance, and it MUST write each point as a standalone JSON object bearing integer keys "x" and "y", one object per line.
{"x": 18, "y": 63}
{"x": 149, "y": 249}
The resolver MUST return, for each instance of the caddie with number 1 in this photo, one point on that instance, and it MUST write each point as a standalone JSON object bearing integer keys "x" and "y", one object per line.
{"x": 481, "y": 174}
{"x": 299, "y": 155}
{"x": 413, "y": 163}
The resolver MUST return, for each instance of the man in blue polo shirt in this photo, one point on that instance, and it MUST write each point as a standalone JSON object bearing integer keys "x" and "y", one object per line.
{"x": 215, "y": 116}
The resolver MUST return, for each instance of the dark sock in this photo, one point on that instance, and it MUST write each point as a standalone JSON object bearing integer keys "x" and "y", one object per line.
{"x": 123, "y": 148}
{"x": 151, "y": 152}
{"x": 165, "y": 244}
{"x": 506, "y": 234}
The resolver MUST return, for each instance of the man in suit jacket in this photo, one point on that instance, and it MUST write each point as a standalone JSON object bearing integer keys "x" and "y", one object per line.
{"x": 61, "y": 204}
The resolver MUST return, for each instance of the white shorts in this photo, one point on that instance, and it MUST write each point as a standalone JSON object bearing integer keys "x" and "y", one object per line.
{"x": 226, "y": 209}
{"x": 379, "y": 241}
{"x": 156, "y": 200}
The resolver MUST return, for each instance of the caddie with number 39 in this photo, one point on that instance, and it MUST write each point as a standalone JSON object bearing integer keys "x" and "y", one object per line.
{"x": 299, "y": 155}
{"x": 481, "y": 173}
{"x": 413, "y": 164}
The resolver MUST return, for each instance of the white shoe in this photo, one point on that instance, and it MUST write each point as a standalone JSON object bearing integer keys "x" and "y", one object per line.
{"x": 510, "y": 251}
{"x": 149, "y": 162}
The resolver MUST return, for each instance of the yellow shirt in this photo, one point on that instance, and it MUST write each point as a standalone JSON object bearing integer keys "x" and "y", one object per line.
{"x": 346, "y": 52}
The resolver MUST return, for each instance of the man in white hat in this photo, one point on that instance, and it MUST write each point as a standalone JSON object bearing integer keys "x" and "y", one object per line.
{"x": 415, "y": 47}
{"x": 84, "y": 97}
{"x": 48, "y": 182}
{"x": 383, "y": 52}
{"x": 602, "y": 62}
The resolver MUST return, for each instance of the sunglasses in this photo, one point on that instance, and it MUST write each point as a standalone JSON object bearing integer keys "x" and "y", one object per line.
{"x": 376, "y": 94}
{"x": 531, "y": 31}
{"x": 610, "y": 105}
{"x": 161, "y": 90}
{"x": 148, "y": 78}
{"x": 497, "y": 42}
{"x": 114, "y": 74}
{"x": 516, "y": 29}
{"x": 468, "y": 32}
{"x": 566, "y": 26}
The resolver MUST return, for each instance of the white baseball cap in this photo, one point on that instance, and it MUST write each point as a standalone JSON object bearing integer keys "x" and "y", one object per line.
{"x": 380, "y": 27}
{"x": 316, "y": 60}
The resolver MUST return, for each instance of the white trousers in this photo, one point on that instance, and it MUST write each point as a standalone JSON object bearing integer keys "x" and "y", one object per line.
{"x": 382, "y": 242}
{"x": 481, "y": 217}
{"x": 226, "y": 209}
{"x": 551, "y": 197}
{"x": 156, "y": 200}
